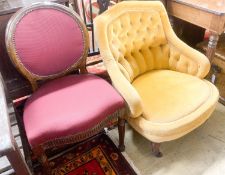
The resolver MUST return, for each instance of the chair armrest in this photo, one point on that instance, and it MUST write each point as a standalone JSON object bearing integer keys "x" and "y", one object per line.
{"x": 124, "y": 87}
{"x": 197, "y": 64}
{"x": 6, "y": 140}
{"x": 191, "y": 61}
{"x": 119, "y": 81}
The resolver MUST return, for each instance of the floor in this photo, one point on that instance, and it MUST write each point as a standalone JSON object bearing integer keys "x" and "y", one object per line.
{"x": 202, "y": 152}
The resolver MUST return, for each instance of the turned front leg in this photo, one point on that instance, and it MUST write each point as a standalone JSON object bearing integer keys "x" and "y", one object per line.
{"x": 213, "y": 40}
{"x": 155, "y": 149}
{"x": 121, "y": 129}
{"x": 39, "y": 153}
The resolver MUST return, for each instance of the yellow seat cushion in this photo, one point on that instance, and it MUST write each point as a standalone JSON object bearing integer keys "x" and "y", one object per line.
{"x": 173, "y": 103}
{"x": 168, "y": 95}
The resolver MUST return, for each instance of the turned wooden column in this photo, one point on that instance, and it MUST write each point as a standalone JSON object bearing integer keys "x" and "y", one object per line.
{"x": 121, "y": 129}
{"x": 213, "y": 39}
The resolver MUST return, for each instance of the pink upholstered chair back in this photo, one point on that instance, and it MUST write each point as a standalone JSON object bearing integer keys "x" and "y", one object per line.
{"x": 46, "y": 40}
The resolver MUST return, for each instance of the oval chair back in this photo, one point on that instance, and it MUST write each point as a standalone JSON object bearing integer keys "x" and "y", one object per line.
{"x": 47, "y": 40}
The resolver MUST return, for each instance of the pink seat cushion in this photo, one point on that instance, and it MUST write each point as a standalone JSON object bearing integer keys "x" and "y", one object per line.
{"x": 67, "y": 106}
{"x": 48, "y": 41}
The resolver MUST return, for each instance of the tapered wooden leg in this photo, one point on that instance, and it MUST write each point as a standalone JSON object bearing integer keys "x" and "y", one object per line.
{"x": 67, "y": 3}
{"x": 155, "y": 149}
{"x": 213, "y": 39}
{"x": 39, "y": 153}
{"x": 121, "y": 129}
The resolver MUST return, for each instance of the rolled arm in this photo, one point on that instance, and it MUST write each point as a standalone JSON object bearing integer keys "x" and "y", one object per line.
{"x": 183, "y": 58}
{"x": 125, "y": 88}
{"x": 119, "y": 81}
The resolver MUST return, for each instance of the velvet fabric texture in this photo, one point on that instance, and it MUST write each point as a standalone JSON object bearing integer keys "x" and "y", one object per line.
{"x": 159, "y": 76}
{"x": 48, "y": 41}
{"x": 67, "y": 106}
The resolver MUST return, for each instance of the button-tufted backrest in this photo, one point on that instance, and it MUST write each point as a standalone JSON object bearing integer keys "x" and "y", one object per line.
{"x": 138, "y": 37}
{"x": 138, "y": 43}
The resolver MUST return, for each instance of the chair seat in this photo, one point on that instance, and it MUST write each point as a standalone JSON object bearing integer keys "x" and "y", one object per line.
{"x": 67, "y": 106}
{"x": 172, "y": 103}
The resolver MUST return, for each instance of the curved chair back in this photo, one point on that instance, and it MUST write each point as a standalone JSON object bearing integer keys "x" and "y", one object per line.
{"x": 135, "y": 36}
{"x": 46, "y": 40}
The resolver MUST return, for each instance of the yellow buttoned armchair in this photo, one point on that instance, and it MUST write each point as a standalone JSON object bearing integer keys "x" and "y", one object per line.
{"x": 160, "y": 77}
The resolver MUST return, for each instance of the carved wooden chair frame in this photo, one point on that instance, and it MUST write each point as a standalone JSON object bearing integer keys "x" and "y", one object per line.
{"x": 10, "y": 43}
{"x": 39, "y": 151}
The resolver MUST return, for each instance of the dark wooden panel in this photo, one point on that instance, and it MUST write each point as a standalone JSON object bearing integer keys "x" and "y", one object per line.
{"x": 189, "y": 33}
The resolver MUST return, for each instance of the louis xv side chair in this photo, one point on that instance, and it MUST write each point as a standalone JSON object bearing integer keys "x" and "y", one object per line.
{"x": 47, "y": 41}
{"x": 160, "y": 77}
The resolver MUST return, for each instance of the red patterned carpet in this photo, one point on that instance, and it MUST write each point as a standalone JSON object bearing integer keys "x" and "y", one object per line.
{"x": 96, "y": 66}
{"x": 96, "y": 156}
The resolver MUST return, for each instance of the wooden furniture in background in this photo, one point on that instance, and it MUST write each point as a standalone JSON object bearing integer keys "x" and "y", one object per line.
{"x": 8, "y": 145}
{"x": 206, "y": 14}
{"x": 218, "y": 62}
{"x": 209, "y": 15}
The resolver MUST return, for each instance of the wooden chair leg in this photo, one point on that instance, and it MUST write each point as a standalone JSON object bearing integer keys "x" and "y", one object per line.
{"x": 67, "y": 3}
{"x": 39, "y": 153}
{"x": 121, "y": 129}
{"x": 155, "y": 149}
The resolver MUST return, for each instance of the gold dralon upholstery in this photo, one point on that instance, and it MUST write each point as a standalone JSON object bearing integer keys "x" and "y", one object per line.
{"x": 159, "y": 76}
{"x": 138, "y": 42}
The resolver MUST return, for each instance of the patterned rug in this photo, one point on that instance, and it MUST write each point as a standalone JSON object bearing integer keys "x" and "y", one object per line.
{"x": 96, "y": 156}
{"x": 96, "y": 66}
